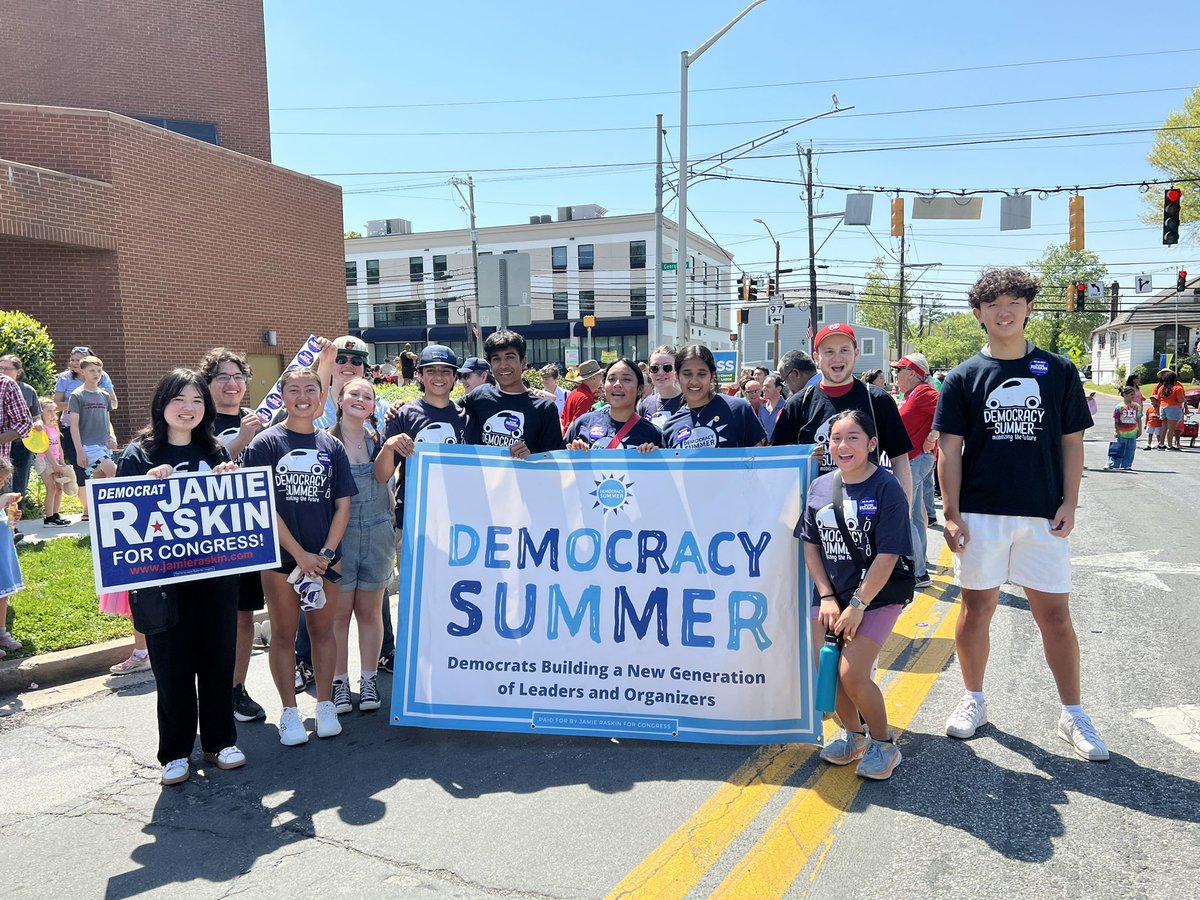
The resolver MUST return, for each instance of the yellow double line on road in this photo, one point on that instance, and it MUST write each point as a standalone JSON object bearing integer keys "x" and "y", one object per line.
{"x": 806, "y": 823}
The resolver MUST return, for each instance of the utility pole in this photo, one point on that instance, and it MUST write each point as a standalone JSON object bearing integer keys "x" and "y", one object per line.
{"x": 812, "y": 253}
{"x": 470, "y": 198}
{"x": 658, "y": 239}
{"x": 900, "y": 311}
{"x": 770, "y": 299}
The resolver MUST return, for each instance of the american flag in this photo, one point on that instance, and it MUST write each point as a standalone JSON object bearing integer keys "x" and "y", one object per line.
{"x": 475, "y": 331}
{"x": 809, "y": 332}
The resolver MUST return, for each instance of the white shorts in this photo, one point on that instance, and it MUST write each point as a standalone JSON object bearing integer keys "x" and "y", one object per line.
{"x": 1017, "y": 549}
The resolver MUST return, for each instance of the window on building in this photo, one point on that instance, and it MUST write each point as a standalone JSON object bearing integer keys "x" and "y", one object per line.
{"x": 416, "y": 268}
{"x": 372, "y": 271}
{"x": 351, "y": 274}
{"x": 441, "y": 309}
{"x": 868, "y": 346}
{"x": 706, "y": 273}
{"x": 561, "y": 305}
{"x": 509, "y": 251}
{"x": 820, "y": 313}
{"x": 692, "y": 268}
{"x": 716, "y": 278}
{"x": 769, "y": 352}
{"x": 1171, "y": 339}
{"x": 352, "y": 314}
{"x": 587, "y": 256}
{"x": 485, "y": 252}
{"x": 637, "y": 254}
{"x": 400, "y": 315}
{"x": 587, "y": 303}
{"x": 637, "y": 302}
{"x": 558, "y": 259}
{"x": 439, "y": 268}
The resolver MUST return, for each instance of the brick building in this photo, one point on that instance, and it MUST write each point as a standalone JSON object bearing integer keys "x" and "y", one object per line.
{"x": 140, "y": 241}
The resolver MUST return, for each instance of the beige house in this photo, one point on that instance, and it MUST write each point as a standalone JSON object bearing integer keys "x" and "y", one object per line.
{"x": 406, "y": 287}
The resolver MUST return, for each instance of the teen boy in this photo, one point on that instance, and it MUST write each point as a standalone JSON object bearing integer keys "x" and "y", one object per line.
{"x": 506, "y": 414}
{"x": 1013, "y": 415}
{"x": 89, "y": 412}
{"x": 806, "y": 417}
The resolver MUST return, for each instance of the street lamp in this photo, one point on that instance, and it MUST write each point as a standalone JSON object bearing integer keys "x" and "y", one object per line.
{"x": 685, "y": 60}
{"x": 772, "y": 236}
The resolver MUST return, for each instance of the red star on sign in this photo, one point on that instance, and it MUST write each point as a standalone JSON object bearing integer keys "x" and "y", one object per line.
{"x": 158, "y": 526}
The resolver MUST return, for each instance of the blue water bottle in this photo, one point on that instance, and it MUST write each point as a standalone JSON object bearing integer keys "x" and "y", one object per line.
{"x": 827, "y": 672}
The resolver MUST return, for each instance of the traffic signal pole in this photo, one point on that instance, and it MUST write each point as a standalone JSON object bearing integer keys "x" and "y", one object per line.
{"x": 812, "y": 252}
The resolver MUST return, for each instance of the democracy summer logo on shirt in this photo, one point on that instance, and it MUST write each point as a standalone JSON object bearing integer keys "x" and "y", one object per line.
{"x": 1013, "y": 411}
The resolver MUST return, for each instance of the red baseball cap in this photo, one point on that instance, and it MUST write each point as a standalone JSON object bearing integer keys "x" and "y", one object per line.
{"x": 835, "y": 328}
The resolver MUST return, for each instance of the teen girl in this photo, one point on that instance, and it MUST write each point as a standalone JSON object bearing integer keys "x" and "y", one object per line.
{"x": 876, "y": 517}
{"x": 617, "y": 426}
{"x": 368, "y": 551}
{"x": 193, "y": 659}
{"x": 667, "y": 396}
{"x": 313, "y": 487}
{"x": 707, "y": 418}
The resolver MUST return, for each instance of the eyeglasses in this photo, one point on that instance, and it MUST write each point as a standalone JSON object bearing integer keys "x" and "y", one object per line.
{"x": 348, "y": 360}
{"x": 665, "y": 367}
{"x": 226, "y": 379}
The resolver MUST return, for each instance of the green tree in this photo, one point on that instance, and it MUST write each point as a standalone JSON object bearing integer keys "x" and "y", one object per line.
{"x": 27, "y": 338}
{"x": 1052, "y": 327}
{"x": 351, "y": 234}
{"x": 952, "y": 340}
{"x": 877, "y": 303}
{"x": 1176, "y": 155}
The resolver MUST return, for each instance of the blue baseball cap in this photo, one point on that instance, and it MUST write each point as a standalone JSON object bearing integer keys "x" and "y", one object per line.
{"x": 474, "y": 364}
{"x": 437, "y": 355}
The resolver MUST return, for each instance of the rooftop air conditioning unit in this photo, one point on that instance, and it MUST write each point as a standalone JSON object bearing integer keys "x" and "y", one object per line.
{"x": 384, "y": 227}
{"x": 583, "y": 211}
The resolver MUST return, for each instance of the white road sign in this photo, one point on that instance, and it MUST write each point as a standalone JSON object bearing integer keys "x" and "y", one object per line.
{"x": 1142, "y": 284}
{"x": 775, "y": 314}
{"x": 1095, "y": 289}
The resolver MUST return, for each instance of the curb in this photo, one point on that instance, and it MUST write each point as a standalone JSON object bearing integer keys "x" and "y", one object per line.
{"x": 61, "y": 666}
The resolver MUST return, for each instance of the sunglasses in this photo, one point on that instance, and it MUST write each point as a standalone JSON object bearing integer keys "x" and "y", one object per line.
{"x": 84, "y": 350}
{"x": 343, "y": 360}
{"x": 665, "y": 367}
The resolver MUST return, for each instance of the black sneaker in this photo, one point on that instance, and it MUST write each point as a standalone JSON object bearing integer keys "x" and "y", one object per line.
{"x": 304, "y": 674}
{"x": 387, "y": 663}
{"x": 244, "y": 708}
{"x": 923, "y": 581}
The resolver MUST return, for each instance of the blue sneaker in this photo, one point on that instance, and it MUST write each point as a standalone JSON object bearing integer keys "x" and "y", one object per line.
{"x": 879, "y": 761}
{"x": 847, "y": 747}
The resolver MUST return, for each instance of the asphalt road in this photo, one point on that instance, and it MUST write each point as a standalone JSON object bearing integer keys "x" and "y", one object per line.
{"x": 384, "y": 811}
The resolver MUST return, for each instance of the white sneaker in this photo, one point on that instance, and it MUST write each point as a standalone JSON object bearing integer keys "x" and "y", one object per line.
{"x": 175, "y": 771}
{"x": 1080, "y": 733}
{"x": 327, "y": 720}
{"x": 967, "y": 717}
{"x": 291, "y": 728}
{"x": 229, "y": 758}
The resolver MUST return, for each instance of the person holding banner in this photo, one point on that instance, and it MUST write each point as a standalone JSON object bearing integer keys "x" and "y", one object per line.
{"x": 668, "y": 395}
{"x": 851, "y": 554}
{"x": 708, "y": 418}
{"x": 505, "y": 414}
{"x": 368, "y": 550}
{"x": 313, "y": 486}
{"x": 618, "y": 426}
{"x": 227, "y": 374}
{"x": 193, "y": 659}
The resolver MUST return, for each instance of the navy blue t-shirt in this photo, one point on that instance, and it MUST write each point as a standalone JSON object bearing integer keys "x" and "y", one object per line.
{"x": 598, "y": 428}
{"x": 658, "y": 410}
{"x": 425, "y": 424}
{"x": 310, "y": 472}
{"x": 722, "y": 422}
{"x": 501, "y": 420}
{"x": 1012, "y": 415}
{"x": 876, "y": 513}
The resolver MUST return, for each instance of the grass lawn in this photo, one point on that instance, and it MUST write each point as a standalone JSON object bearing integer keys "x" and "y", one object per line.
{"x": 58, "y": 608}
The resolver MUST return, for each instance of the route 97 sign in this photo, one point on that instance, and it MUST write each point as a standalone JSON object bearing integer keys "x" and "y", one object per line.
{"x": 775, "y": 314}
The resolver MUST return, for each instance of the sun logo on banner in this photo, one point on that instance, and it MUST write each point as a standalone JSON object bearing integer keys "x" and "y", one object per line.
{"x": 612, "y": 493}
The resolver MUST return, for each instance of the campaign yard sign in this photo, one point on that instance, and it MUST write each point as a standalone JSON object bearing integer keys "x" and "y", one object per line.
{"x": 191, "y": 525}
{"x": 609, "y": 593}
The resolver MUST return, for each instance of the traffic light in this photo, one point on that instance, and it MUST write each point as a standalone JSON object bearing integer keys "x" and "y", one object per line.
{"x": 770, "y": 287}
{"x": 1081, "y": 297}
{"x": 743, "y": 317}
{"x": 1172, "y": 198}
{"x": 1076, "y": 218}
{"x": 898, "y": 217}
{"x": 1180, "y": 281}
{"x": 752, "y": 291}
{"x": 744, "y": 287}
{"x": 1071, "y": 298}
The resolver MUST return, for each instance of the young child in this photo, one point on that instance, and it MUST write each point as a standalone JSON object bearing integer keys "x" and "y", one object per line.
{"x": 1153, "y": 423}
{"x": 52, "y": 466}
{"x": 10, "y": 568}
{"x": 1127, "y": 425}
{"x": 90, "y": 413}
{"x": 844, "y": 598}
{"x": 313, "y": 487}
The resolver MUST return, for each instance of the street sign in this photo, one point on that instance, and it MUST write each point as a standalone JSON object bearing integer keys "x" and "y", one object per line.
{"x": 726, "y": 365}
{"x": 1076, "y": 355}
{"x": 1095, "y": 289}
{"x": 670, "y": 267}
{"x": 1142, "y": 283}
{"x": 775, "y": 314}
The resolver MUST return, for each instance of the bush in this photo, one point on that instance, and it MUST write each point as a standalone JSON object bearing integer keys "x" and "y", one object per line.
{"x": 1120, "y": 375}
{"x": 1186, "y": 373}
{"x": 1149, "y": 371}
{"x": 28, "y": 339}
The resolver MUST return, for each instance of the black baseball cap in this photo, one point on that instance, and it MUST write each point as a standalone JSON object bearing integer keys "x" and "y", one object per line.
{"x": 474, "y": 364}
{"x": 437, "y": 355}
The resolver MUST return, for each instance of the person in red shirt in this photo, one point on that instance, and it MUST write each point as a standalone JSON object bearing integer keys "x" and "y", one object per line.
{"x": 583, "y": 398}
{"x": 920, "y": 403}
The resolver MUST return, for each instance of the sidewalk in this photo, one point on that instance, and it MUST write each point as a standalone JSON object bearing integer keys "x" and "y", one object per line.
{"x": 35, "y": 532}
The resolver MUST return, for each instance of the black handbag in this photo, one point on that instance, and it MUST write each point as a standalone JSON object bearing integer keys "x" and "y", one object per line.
{"x": 154, "y": 609}
{"x": 901, "y": 585}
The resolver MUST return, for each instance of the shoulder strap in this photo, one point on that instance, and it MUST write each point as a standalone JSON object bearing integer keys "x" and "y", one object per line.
{"x": 874, "y": 423}
{"x": 615, "y": 443}
{"x": 840, "y": 515}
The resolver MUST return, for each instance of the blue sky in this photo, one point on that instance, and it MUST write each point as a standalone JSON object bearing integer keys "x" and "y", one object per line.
{"x": 461, "y": 87}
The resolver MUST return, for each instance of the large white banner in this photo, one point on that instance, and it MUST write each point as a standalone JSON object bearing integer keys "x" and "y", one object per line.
{"x": 606, "y": 593}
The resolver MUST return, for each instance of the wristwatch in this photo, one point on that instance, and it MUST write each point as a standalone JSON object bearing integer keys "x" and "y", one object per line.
{"x": 856, "y": 602}
{"x": 327, "y": 554}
